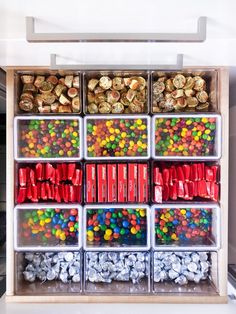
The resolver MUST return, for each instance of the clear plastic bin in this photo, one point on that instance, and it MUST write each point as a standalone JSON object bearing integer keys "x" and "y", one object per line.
{"x": 182, "y": 227}
{"x": 113, "y": 100}
{"x": 46, "y": 227}
{"x": 48, "y": 273}
{"x": 197, "y": 92}
{"x": 116, "y": 228}
{"x": 117, "y": 272}
{"x": 186, "y": 136}
{"x": 180, "y": 273}
{"x": 48, "y": 138}
{"x": 48, "y": 92}
{"x": 116, "y": 138}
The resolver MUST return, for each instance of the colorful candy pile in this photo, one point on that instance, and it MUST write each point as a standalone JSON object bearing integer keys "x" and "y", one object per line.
{"x": 183, "y": 225}
{"x": 49, "y": 138}
{"x": 122, "y": 226}
{"x": 50, "y": 226}
{"x": 117, "y": 183}
{"x": 117, "y": 137}
{"x": 185, "y": 136}
{"x": 45, "y": 182}
{"x": 192, "y": 181}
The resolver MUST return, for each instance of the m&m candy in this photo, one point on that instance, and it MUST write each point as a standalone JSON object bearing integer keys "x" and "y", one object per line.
{"x": 116, "y": 226}
{"x": 183, "y": 226}
{"x": 117, "y": 137}
{"x": 48, "y": 226}
{"x": 49, "y": 138}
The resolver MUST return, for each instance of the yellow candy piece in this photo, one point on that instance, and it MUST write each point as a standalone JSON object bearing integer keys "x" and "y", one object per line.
{"x": 69, "y": 153}
{"x": 106, "y": 237}
{"x": 95, "y": 128}
{"x": 111, "y": 130}
{"x": 188, "y": 122}
{"x": 72, "y": 229}
{"x": 117, "y": 131}
{"x": 103, "y": 142}
{"x": 181, "y": 148}
{"x": 75, "y": 134}
{"x": 167, "y": 215}
{"x": 35, "y": 231}
{"x": 48, "y": 220}
{"x": 61, "y": 152}
{"x": 143, "y": 127}
{"x": 204, "y": 120}
{"x": 196, "y": 138}
{"x": 183, "y": 211}
{"x": 139, "y": 121}
{"x": 90, "y": 239}
{"x": 31, "y": 145}
{"x": 142, "y": 213}
{"x": 108, "y": 232}
{"x": 123, "y": 134}
{"x": 131, "y": 143}
{"x": 104, "y": 153}
{"x": 96, "y": 228}
{"x": 42, "y": 223}
{"x": 108, "y": 123}
{"x": 39, "y": 212}
{"x": 174, "y": 236}
{"x": 112, "y": 138}
{"x": 199, "y": 133}
{"x": 185, "y": 153}
{"x": 62, "y": 236}
{"x": 117, "y": 154}
{"x": 90, "y": 233}
{"x": 139, "y": 143}
{"x": 207, "y": 131}
{"x": 165, "y": 229}
{"x": 133, "y": 230}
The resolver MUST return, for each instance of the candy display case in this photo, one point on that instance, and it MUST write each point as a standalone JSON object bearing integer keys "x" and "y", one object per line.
{"x": 117, "y": 272}
{"x": 48, "y": 92}
{"x": 118, "y": 92}
{"x": 119, "y": 180}
{"x": 186, "y": 136}
{"x": 114, "y": 137}
{"x": 118, "y": 227}
{"x": 48, "y": 273}
{"x": 185, "y": 227}
{"x": 46, "y": 228}
{"x": 177, "y": 273}
{"x": 48, "y": 138}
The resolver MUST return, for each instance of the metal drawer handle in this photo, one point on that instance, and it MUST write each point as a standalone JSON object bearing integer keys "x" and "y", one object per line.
{"x": 84, "y": 67}
{"x": 33, "y": 37}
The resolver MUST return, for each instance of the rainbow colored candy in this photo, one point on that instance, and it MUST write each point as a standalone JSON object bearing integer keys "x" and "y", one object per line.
{"x": 49, "y": 138}
{"x": 183, "y": 225}
{"x": 124, "y": 226}
{"x": 185, "y": 136}
{"x": 49, "y": 226}
{"x": 117, "y": 137}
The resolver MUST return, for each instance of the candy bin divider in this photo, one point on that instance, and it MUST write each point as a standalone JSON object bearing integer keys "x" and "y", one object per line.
{"x": 212, "y": 280}
{"x": 155, "y": 162}
{"x": 116, "y": 162}
{"x": 20, "y": 248}
{"x": 19, "y": 164}
{"x": 216, "y": 222}
{"x": 116, "y": 248}
{"x": 210, "y": 76}
{"x": 217, "y": 145}
{"x": 39, "y": 117}
{"x": 123, "y": 73}
{"x": 116, "y": 291}
{"x": 58, "y": 73}
{"x": 101, "y": 117}
{"x": 56, "y": 286}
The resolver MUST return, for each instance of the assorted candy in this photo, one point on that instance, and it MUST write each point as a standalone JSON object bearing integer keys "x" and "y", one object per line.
{"x": 48, "y": 226}
{"x": 117, "y": 183}
{"x": 181, "y": 268}
{"x": 49, "y": 138}
{"x": 188, "y": 181}
{"x": 41, "y": 182}
{"x": 108, "y": 267}
{"x": 185, "y": 136}
{"x": 116, "y": 226}
{"x": 117, "y": 137}
{"x": 180, "y": 92}
{"x": 183, "y": 226}
{"x": 62, "y": 266}
{"x": 116, "y": 95}
{"x": 50, "y": 93}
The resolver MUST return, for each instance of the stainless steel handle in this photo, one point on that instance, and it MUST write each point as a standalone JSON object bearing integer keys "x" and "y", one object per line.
{"x": 88, "y": 67}
{"x": 33, "y": 37}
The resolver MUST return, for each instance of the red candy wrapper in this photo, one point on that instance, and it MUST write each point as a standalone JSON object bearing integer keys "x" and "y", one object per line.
{"x": 64, "y": 172}
{"x": 21, "y": 195}
{"x": 48, "y": 171}
{"x": 32, "y": 177}
{"x": 70, "y": 171}
{"x": 111, "y": 183}
{"x": 102, "y": 183}
{"x": 34, "y": 193}
{"x": 132, "y": 182}
{"x": 77, "y": 178}
{"x": 158, "y": 194}
{"x": 122, "y": 183}
{"x": 29, "y": 192}
{"x": 173, "y": 191}
{"x": 43, "y": 191}
{"x": 91, "y": 183}
{"x": 39, "y": 172}
{"x": 186, "y": 171}
{"x": 22, "y": 176}
{"x": 142, "y": 183}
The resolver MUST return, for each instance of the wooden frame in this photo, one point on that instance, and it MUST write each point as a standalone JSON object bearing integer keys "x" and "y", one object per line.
{"x": 223, "y": 86}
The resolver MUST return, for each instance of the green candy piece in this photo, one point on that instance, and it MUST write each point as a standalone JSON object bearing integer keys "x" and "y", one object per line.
{"x": 122, "y": 231}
